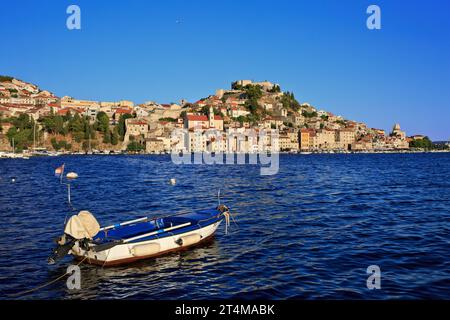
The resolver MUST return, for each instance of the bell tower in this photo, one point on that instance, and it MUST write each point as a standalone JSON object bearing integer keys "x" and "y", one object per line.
{"x": 211, "y": 117}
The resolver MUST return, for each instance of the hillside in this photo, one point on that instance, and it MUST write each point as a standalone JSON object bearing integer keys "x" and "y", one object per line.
{"x": 26, "y": 112}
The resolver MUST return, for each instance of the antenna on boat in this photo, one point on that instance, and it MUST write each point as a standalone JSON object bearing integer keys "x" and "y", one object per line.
{"x": 68, "y": 194}
{"x": 218, "y": 197}
{"x": 70, "y": 177}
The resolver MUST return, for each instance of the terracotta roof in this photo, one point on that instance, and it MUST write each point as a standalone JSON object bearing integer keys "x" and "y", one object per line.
{"x": 138, "y": 123}
{"x": 123, "y": 111}
{"x": 193, "y": 117}
{"x": 65, "y": 110}
{"x": 17, "y": 106}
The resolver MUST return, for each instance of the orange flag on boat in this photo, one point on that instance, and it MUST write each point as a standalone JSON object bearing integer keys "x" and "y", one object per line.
{"x": 59, "y": 171}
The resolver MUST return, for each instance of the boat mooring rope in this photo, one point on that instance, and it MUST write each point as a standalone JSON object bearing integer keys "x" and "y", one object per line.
{"x": 45, "y": 284}
{"x": 234, "y": 221}
{"x": 227, "y": 221}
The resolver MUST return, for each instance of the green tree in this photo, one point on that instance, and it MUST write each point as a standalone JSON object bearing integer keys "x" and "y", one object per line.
{"x": 89, "y": 132}
{"x": 205, "y": 111}
{"x": 22, "y": 138}
{"x": 102, "y": 123}
{"x": 60, "y": 145}
{"x": 288, "y": 124}
{"x": 241, "y": 119}
{"x": 115, "y": 136}
{"x": 54, "y": 124}
{"x": 55, "y": 144}
{"x": 76, "y": 124}
{"x": 253, "y": 92}
{"x": 168, "y": 119}
{"x": 289, "y": 102}
{"x": 68, "y": 116}
{"x": 307, "y": 114}
{"x": 252, "y": 106}
{"x": 68, "y": 146}
{"x": 11, "y": 133}
{"x": 107, "y": 137}
{"x": 135, "y": 147}
{"x": 424, "y": 143}
{"x": 236, "y": 86}
{"x": 6, "y": 79}
{"x": 85, "y": 145}
{"x": 78, "y": 136}
{"x": 23, "y": 122}
{"x": 275, "y": 89}
{"x": 122, "y": 126}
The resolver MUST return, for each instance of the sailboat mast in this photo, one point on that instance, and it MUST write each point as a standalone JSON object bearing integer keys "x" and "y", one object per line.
{"x": 34, "y": 137}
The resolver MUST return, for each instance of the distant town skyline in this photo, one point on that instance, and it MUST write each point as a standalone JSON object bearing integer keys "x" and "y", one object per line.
{"x": 173, "y": 50}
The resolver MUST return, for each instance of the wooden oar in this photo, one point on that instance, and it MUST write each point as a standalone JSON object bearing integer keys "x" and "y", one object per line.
{"x": 123, "y": 224}
{"x": 107, "y": 246}
{"x": 141, "y": 220}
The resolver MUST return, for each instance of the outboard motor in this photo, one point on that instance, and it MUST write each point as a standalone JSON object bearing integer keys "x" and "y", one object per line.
{"x": 65, "y": 244}
{"x": 80, "y": 228}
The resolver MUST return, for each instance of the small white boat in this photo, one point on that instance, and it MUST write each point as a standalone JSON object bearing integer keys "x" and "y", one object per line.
{"x": 137, "y": 239}
{"x": 54, "y": 154}
{"x": 14, "y": 156}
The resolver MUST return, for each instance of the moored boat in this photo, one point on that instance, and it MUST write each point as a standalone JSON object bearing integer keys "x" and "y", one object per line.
{"x": 137, "y": 239}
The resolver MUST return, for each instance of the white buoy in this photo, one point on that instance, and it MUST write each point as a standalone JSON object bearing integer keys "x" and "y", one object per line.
{"x": 173, "y": 181}
{"x": 13, "y": 180}
{"x": 72, "y": 175}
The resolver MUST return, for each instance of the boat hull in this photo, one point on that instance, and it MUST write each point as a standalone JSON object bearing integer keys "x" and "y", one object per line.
{"x": 127, "y": 253}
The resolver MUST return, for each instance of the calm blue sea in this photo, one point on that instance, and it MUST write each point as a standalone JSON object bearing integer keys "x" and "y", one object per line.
{"x": 309, "y": 232}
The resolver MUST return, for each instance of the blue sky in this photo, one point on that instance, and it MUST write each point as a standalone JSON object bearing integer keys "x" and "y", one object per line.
{"x": 172, "y": 49}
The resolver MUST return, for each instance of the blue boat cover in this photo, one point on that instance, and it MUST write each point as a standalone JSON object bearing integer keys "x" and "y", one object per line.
{"x": 198, "y": 220}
